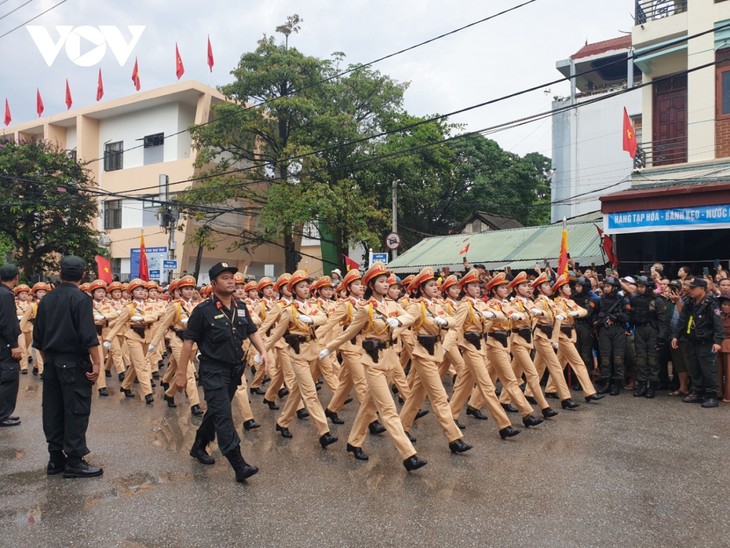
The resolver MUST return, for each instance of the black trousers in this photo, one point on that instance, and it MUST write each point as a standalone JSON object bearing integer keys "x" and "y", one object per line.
{"x": 612, "y": 343}
{"x": 219, "y": 386}
{"x": 66, "y": 404}
{"x": 702, "y": 367}
{"x": 645, "y": 342}
{"x": 9, "y": 382}
{"x": 584, "y": 344}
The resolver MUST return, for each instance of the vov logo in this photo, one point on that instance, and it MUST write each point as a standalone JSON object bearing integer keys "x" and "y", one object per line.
{"x": 93, "y": 41}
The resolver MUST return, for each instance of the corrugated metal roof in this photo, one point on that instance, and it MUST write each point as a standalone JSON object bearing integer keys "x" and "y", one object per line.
{"x": 518, "y": 248}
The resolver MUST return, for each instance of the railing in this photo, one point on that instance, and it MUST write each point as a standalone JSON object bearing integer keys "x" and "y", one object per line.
{"x": 651, "y": 10}
{"x": 661, "y": 153}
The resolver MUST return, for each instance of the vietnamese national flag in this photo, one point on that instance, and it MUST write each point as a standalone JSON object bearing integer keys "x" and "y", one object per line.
{"x": 144, "y": 270}
{"x": 607, "y": 245}
{"x": 135, "y": 75}
{"x": 69, "y": 101}
{"x": 103, "y": 269}
{"x": 630, "y": 144}
{"x": 210, "y": 56}
{"x": 39, "y": 108}
{"x": 464, "y": 250}
{"x": 8, "y": 118}
{"x": 563, "y": 258}
{"x": 350, "y": 264}
{"x": 99, "y": 89}
{"x": 179, "y": 68}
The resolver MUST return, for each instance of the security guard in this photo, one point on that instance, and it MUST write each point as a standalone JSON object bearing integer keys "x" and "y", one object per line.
{"x": 64, "y": 333}
{"x": 9, "y": 346}
{"x": 700, "y": 322}
{"x": 219, "y": 325}
{"x": 585, "y": 340}
{"x": 611, "y": 321}
{"x": 648, "y": 317}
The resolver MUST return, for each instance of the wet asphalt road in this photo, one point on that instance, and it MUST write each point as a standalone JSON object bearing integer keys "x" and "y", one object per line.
{"x": 624, "y": 471}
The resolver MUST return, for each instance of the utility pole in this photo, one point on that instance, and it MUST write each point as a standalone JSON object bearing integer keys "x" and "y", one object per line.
{"x": 168, "y": 219}
{"x": 394, "y": 215}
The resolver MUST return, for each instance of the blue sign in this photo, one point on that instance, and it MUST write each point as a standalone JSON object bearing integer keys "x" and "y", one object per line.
{"x": 382, "y": 257}
{"x": 155, "y": 257}
{"x": 169, "y": 265}
{"x": 657, "y": 220}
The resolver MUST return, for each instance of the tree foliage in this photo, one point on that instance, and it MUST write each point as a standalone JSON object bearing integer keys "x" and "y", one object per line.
{"x": 46, "y": 210}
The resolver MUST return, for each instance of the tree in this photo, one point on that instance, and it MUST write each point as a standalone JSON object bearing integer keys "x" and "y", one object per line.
{"x": 47, "y": 208}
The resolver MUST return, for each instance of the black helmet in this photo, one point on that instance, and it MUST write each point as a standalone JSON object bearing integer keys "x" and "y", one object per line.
{"x": 643, "y": 280}
{"x": 612, "y": 281}
{"x": 584, "y": 282}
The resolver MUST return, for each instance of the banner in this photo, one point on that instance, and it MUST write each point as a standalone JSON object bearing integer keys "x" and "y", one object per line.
{"x": 663, "y": 220}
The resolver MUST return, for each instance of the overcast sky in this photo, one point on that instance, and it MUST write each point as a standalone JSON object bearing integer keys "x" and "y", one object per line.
{"x": 495, "y": 58}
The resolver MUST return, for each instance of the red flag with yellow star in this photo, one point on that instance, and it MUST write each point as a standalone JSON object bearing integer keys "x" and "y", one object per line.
{"x": 103, "y": 269}
{"x": 630, "y": 144}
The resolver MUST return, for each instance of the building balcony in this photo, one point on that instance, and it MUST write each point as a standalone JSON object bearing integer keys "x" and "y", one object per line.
{"x": 662, "y": 152}
{"x": 651, "y": 10}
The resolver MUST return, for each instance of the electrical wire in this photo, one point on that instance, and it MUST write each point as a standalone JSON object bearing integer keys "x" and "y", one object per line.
{"x": 33, "y": 18}
{"x": 14, "y": 10}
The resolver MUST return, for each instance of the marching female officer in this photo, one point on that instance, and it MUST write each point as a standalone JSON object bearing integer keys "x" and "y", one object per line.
{"x": 373, "y": 327}
{"x": 103, "y": 314}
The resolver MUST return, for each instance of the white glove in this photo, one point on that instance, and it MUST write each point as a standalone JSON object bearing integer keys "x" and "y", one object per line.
{"x": 20, "y": 318}
{"x": 151, "y": 347}
{"x": 107, "y": 345}
{"x": 304, "y": 318}
{"x": 323, "y": 354}
{"x": 137, "y": 318}
{"x": 440, "y": 321}
{"x": 621, "y": 293}
{"x": 489, "y": 314}
{"x": 516, "y": 316}
{"x": 257, "y": 359}
{"x": 555, "y": 346}
{"x": 560, "y": 317}
{"x": 98, "y": 317}
{"x": 184, "y": 321}
{"x": 393, "y": 322}
{"x": 574, "y": 314}
{"x": 537, "y": 312}
{"x": 197, "y": 356}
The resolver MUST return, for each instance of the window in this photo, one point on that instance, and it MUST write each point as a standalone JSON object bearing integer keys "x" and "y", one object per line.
{"x": 150, "y": 211}
{"x": 116, "y": 267}
{"x": 112, "y": 214}
{"x": 113, "y": 156}
{"x": 71, "y": 154}
{"x": 154, "y": 149}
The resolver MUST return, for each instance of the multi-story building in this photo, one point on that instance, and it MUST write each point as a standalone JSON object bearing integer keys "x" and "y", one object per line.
{"x": 133, "y": 144}
{"x": 678, "y": 207}
{"x": 586, "y": 152}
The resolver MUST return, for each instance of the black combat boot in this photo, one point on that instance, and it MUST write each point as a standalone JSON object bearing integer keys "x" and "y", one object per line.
{"x": 615, "y": 389}
{"x": 242, "y": 469}
{"x": 651, "y": 390}
{"x": 641, "y": 389}
{"x": 603, "y": 387}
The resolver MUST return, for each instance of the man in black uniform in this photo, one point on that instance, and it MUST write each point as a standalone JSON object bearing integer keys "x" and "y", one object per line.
{"x": 219, "y": 325}
{"x": 584, "y": 298}
{"x": 700, "y": 323}
{"x": 9, "y": 349}
{"x": 65, "y": 334}
{"x": 611, "y": 322}
{"x": 649, "y": 319}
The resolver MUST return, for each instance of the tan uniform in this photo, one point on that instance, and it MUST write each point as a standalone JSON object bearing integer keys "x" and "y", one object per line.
{"x": 20, "y": 307}
{"x": 425, "y": 358}
{"x": 155, "y": 357}
{"x": 268, "y": 312}
{"x": 303, "y": 387}
{"x": 119, "y": 344}
{"x": 280, "y": 368}
{"x": 328, "y": 368}
{"x": 547, "y": 331}
{"x": 26, "y": 328}
{"x": 369, "y": 327}
{"x": 104, "y": 313}
{"x": 469, "y": 319}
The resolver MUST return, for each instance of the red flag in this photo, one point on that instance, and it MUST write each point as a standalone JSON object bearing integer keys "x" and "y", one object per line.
{"x": 144, "y": 271}
{"x": 210, "y": 56}
{"x": 8, "y": 118}
{"x": 630, "y": 144}
{"x": 607, "y": 245}
{"x": 39, "y": 108}
{"x": 99, "y": 88}
{"x": 350, "y": 264}
{"x": 103, "y": 269}
{"x": 563, "y": 258}
{"x": 179, "y": 68}
{"x": 69, "y": 101}
{"x": 463, "y": 250}
{"x": 135, "y": 75}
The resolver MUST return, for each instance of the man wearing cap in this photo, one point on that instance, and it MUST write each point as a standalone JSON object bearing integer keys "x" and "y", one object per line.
{"x": 65, "y": 334}
{"x": 648, "y": 317}
{"x": 219, "y": 326}
{"x": 700, "y": 323}
{"x": 611, "y": 321}
{"x": 9, "y": 347}
{"x": 336, "y": 277}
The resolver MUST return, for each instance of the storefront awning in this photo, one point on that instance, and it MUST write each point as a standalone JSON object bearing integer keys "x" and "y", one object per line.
{"x": 518, "y": 248}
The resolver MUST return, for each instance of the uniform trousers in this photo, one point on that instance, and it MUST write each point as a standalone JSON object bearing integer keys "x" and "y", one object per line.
{"x": 352, "y": 375}
{"x": 568, "y": 355}
{"x": 612, "y": 342}
{"x": 545, "y": 358}
{"x": 219, "y": 386}
{"x": 101, "y": 380}
{"x": 191, "y": 386}
{"x": 115, "y": 355}
{"x": 475, "y": 371}
{"x": 522, "y": 363}
{"x": 379, "y": 399}
{"x": 327, "y": 369}
{"x": 23, "y": 353}
{"x": 303, "y": 390}
{"x": 281, "y": 373}
{"x": 645, "y": 343}
{"x": 702, "y": 366}
{"x": 427, "y": 382}
{"x": 139, "y": 369}
{"x": 66, "y": 404}
{"x": 499, "y": 360}
{"x": 9, "y": 383}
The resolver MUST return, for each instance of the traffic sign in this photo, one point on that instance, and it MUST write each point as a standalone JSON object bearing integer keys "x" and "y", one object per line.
{"x": 392, "y": 240}
{"x": 169, "y": 265}
{"x": 382, "y": 257}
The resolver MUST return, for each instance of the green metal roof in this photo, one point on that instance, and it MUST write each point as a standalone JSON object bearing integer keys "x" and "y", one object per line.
{"x": 518, "y": 248}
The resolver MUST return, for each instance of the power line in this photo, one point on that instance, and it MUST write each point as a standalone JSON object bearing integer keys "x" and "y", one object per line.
{"x": 33, "y": 18}
{"x": 14, "y": 10}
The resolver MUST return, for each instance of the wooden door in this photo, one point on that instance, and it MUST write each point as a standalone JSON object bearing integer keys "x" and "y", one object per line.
{"x": 670, "y": 121}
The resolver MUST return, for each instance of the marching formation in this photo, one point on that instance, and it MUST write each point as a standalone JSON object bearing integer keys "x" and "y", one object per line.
{"x": 383, "y": 341}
